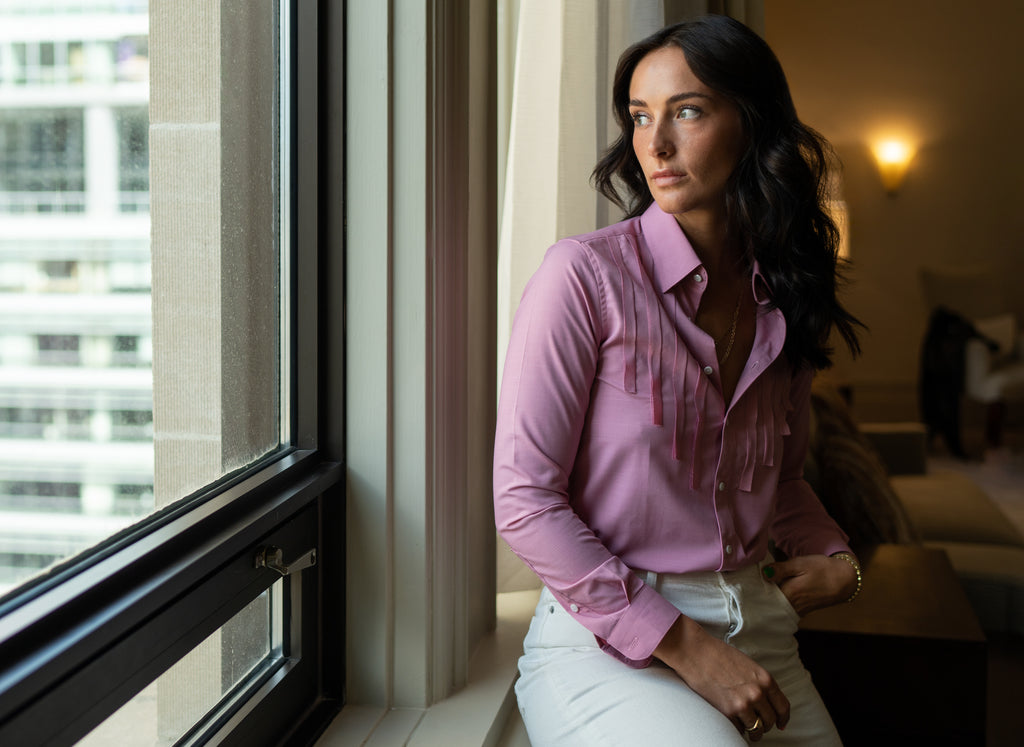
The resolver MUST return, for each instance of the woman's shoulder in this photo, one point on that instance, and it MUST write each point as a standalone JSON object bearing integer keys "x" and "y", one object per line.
{"x": 629, "y": 228}
{"x": 602, "y": 245}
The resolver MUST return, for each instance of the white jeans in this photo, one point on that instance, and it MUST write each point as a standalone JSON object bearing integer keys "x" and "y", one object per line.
{"x": 572, "y": 693}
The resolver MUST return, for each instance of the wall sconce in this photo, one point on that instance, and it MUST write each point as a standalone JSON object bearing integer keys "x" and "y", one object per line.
{"x": 893, "y": 158}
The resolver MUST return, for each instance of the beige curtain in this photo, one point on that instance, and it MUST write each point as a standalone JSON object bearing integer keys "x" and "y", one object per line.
{"x": 559, "y": 59}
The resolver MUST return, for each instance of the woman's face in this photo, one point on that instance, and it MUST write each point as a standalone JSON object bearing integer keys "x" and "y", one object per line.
{"x": 687, "y": 137}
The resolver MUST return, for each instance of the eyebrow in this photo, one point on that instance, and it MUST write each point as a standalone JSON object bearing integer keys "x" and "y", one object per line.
{"x": 675, "y": 98}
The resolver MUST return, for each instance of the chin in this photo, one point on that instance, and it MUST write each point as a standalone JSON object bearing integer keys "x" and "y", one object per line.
{"x": 673, "y": 206}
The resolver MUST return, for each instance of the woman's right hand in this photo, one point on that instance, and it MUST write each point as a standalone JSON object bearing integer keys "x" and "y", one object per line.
{"x": 725, "y": 677}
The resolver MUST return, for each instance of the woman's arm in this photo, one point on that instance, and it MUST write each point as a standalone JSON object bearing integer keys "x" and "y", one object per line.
{"x": 549, "y": 372}
{"x": 724, "y": 676}
{"x": 811, "y": 578}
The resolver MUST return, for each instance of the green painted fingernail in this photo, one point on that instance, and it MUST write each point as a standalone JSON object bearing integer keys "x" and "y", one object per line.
{"x": 769, "y": 572}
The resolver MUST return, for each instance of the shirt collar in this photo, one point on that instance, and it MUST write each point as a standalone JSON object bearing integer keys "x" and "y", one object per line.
{"x": 673, "y": 255}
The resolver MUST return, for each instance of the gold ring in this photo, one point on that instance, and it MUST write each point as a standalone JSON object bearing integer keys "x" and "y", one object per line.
{"x": 756, "y": 726}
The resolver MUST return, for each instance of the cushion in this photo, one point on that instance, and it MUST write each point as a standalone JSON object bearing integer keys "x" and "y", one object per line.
{"x": 849, "y": 478}
{"x": 948, "y": 506}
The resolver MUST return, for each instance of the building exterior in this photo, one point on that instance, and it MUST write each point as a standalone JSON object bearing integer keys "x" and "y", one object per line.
{"x": 76, "y": 423}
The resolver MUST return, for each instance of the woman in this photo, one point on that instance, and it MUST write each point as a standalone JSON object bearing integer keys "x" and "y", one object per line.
{"x": 654, "y": 416}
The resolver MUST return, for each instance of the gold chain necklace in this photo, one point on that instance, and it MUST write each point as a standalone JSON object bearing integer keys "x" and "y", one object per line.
{"x": 731, "y": 334}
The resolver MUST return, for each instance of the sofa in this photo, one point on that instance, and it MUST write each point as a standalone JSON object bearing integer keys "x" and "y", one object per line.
{"x": 874, "y": 481}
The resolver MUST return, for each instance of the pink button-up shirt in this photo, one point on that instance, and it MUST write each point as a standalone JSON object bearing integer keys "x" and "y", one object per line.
{"x": 615, "y": 449}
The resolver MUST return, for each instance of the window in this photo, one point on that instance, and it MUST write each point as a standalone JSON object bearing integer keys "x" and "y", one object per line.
{"x": 55, "y": 497}
{"x": 212, "y": 556}
{"x": 42, "y": 160}
{"x": 58, "y": 350}
{"x": 133, "y": 155}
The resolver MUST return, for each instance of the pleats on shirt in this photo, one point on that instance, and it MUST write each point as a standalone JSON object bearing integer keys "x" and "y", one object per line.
{"x": 755, "y": 417}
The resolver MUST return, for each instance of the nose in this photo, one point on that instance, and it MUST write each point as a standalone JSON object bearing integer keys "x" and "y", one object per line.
{"x": 660, "y": 144}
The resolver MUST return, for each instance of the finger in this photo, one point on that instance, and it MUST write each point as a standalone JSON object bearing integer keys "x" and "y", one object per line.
{"x": 780, "y": 705}
{"x": 766, "y": 716}
{"x": 763, "y": 714}
{"x": 779, "y": 572}
{"x": 766, "y": 723}
{"x": 755, "y": 730}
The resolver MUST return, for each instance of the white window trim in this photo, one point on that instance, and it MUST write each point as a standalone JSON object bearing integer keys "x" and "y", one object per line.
{"x": 420, "y": 238}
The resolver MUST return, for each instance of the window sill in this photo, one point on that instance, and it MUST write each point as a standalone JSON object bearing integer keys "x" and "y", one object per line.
{"x": 476, "y": 715}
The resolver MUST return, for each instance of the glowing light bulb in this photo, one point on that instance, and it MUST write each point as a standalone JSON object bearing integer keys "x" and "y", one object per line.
{"x": 893, "y": 158}
{"x": 893, "y": 151}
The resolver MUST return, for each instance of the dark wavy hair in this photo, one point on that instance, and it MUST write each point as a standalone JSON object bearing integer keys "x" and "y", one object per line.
{"x": 776, "y": 196}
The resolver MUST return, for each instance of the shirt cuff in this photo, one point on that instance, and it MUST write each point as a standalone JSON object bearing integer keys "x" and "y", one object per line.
{"x": 640, "y": 628}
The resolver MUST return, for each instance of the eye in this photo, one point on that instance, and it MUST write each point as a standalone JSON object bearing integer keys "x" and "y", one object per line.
{"x": 640, "y": 119}
{"x": 689, "y": 112}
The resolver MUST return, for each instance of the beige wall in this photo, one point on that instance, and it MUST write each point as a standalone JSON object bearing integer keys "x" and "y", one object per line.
{"x": 953, "y": 81}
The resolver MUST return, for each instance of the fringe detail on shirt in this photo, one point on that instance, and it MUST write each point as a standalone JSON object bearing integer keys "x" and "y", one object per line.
{"x": 678, "y": 399}
{"x": 700, "y": 392}
{"x": 751, "y": 434}
{"x": 756, "y": 414}
{"x": 653, "y": 359}
{"x": 767, "y": 425}
{"x": 628, "y": 323}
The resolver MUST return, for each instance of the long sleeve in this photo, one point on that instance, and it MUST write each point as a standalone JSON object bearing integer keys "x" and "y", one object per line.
{"x": 801, "y": 525}
{"x": 549, "y": 373}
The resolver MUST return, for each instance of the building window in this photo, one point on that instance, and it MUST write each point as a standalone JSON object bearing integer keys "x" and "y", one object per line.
{"x": 42, "y": 160}
{"x": 131, "y": 425}
{"x": 133, "y": 500}
{"x": 133, "y": 153}
{"x": 126, "y": 350}
{"x": 58, "y": 350}
{"x": 43, "y": 496}
{"x": 60, "y": 270}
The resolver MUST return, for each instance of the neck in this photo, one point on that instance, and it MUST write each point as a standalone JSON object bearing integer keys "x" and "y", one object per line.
{"x": 712, "y": 242}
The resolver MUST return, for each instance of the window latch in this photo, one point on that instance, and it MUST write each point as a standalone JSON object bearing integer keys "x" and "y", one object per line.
{"x": 273, "y": 558}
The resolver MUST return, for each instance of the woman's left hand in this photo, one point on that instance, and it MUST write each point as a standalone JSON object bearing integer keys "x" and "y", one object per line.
{"x": 813, "y": 581}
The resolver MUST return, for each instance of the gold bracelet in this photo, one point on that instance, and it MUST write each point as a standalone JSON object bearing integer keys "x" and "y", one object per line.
{"x": 849, "y": 558}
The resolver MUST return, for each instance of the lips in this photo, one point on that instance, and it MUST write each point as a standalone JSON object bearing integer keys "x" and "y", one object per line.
{"x": 666, "y": 177}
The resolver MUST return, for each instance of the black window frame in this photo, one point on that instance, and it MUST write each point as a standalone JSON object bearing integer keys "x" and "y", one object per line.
{"x": 84, "y": 640}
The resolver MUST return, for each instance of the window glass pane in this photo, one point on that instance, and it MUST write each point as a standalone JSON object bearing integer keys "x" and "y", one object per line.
{"x": 140, "y": 342}
{"x": 163, "y": 712}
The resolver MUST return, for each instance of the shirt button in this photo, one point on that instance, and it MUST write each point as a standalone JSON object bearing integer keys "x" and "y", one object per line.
{"x": 574, "y": 607}
{"x": 721, "y": 486}
{"x": 697, "y": 278}
{"x": 708, "y": 370}
{"x": 728, "y": 549}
